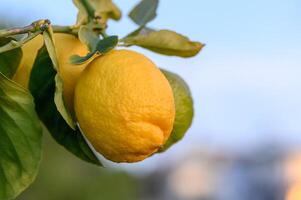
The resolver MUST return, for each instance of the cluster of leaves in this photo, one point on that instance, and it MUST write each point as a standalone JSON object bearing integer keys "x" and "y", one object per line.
{"x": 21, "y": 110}
{"x": 20, "y": 130}
{"x": 165, "y": 42}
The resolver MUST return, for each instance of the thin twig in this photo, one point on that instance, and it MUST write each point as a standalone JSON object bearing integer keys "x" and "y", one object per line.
{"x": 64, "y": 29}
{"x": 39, "y": 25}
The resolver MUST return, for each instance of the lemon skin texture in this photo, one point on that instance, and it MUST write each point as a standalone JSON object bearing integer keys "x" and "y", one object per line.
{"x": 124, "y": 106}
{"x": 66, "y": 46}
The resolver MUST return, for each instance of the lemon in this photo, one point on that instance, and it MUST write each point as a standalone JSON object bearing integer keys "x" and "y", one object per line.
{"x": 30, "y": 50}
{"x": 66, "y": 45}
{"x": 124, "y": 106}
{"x": 184, "y": 108}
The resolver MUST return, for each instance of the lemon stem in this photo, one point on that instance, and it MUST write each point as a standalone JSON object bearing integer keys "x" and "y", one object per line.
{"x": 104, "y": 34}
{"x": 88, "y": 8}
{"x": 64, "y": 29}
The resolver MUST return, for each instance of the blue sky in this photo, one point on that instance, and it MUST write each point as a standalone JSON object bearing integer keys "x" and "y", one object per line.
{"x": 246, "y": 83}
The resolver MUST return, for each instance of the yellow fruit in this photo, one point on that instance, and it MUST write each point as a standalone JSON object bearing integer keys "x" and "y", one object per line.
{"x": 124, "y": 105}
{"x": 66, "y": 45}
{"x": 30, "y": 50}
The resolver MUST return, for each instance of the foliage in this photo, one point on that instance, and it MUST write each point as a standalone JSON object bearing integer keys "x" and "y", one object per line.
{"x": 42, "y": 87}
{"x": 22, "y": 111}
{"x": 10, "y": 60}
{"x": 184, "y": 108}
{"x": 20, "y": 139}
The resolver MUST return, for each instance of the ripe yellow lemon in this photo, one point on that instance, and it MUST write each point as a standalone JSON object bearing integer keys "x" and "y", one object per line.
{"x": 66, "y": 45}
{"x": 124, "y": 105}
{"x": 30, "y": 50}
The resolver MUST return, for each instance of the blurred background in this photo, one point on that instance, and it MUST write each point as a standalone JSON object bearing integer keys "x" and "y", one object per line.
{"x": 245, "y": 141}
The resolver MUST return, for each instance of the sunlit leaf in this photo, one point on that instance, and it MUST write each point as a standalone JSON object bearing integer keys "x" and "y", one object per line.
{"x": 144, "y": 12}
{"x": 82, "y": 15}
{"x": 49, "y": 43}
{"x": 103, "y": 46}
{"x": 42, "y": 87}
{"x": 104, "y": 9}
{"x": 14, "y": 44}
{"x": 165, "y": 42}
{"x": 77, "y": 60}
{"x": 20, "y": 139}
{"x": 88, "y": 37}
{"x": 11, "y": 45}
{"x": 59, "y": 102}
{"x": 140, "y": 31}
{"x": 10, "y": 60}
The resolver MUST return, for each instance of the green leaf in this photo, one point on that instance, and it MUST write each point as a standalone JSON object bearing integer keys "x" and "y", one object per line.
{"x": 42, "y": 87}
{"x": 11, "y": 45}
{"x": 144, "y": 12}
{"x": 107, "y": 44}
{"x": 104, "y": 9}
{"x": 58, "y": 98}
{"x": 49, "y": 43}
{"x": 88, "y": 37}
{"x": 165, "y": 42}
{"x": 140, "y": 31}
{"x": 59, "y": 102}
{"x": 103, "y": 46}
{"x": 78, "y": 60}
{"x": 184, "y": 108}
{"x": 20, "y": 139}
{"x": 82, "y": 15}
{"x": 9, "y": 60}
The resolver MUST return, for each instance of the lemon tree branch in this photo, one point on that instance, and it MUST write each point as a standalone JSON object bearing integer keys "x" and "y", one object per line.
{"x": 36, "y": 26}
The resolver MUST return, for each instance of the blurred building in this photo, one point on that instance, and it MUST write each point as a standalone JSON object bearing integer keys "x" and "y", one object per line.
{"x": 205, "y": 175}
{"x": 293, "y": 174}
